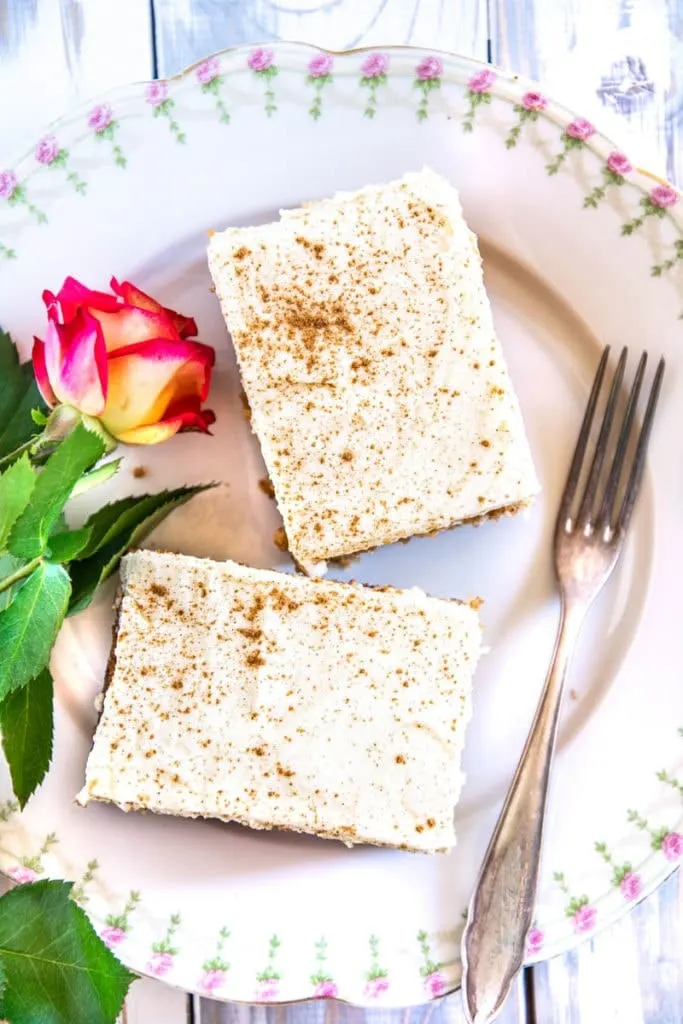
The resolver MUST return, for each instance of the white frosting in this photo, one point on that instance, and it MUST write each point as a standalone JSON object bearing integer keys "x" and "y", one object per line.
{"x": 279, "y": 701}
{"x": 378, "y": 390}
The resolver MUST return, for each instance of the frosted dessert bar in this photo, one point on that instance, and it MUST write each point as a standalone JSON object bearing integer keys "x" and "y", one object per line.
{"x": 279, "y": 701}
{"x": 378, "y": 390}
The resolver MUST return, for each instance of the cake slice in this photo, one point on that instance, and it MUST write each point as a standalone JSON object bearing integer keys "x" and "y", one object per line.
{"x": 283, "y": 702}
{"x": 378, "y": 391}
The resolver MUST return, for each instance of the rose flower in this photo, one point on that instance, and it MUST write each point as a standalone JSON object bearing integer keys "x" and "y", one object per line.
{"x": 124, "y": 359}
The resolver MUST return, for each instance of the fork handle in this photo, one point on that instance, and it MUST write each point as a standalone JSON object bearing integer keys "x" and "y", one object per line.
{"x": 502, "y": 907}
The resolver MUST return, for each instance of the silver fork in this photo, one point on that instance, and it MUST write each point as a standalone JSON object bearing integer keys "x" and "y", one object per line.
{"x": 588, "y": 541}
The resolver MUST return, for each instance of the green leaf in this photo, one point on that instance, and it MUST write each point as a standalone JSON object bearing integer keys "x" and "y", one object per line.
{"x": 16, "y": 486}
{"x": 58, "y": 971}
{"x": 67, "y": 545}
{"x": 115, "y": 529}
{"x": 18, "y": 396}
{"x": 96, "y": 477}
{"x": 8, "y": 566}
{"x": 78, "y": 452}
{"x": 29, "y": 626}
{"x": 26, "y": 721}
{"x": 39, "y": 417}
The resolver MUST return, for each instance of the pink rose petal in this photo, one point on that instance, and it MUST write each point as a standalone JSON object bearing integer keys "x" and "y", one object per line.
{"x": 429, "y": 68}
{"x": 580, "y": 129}
{"x": 482, "y": 80}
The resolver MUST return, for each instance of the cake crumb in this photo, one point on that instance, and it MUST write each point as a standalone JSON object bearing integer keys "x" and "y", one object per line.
{"x": 280, "y": 539}
{"x": 266, "y": 485}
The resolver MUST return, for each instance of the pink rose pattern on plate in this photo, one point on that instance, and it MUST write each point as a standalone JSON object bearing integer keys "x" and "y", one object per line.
{"x": 8, "y": 184}
{"x": 118, "y": 925}
{"x": 159, "y": 964}
{"x": 631, "y": 886}
{"x": 211, "y": 980}
{"x": 660, "y": 199}
{"x": 267, "y": 990}
{"x": 162, "y": 105}
{"x": 211, "y": 81}
{"x": 433, "y": 978}
{"x": 534, "y": 942}
{"x": 29, "y": 868}
{"x": 376, "y": 987}
{"x": 575, "y": 135}
{"x": 435, "y": 984}
{"x": 22, "y": 875}
{"x": 260, "y": 59}
{"x": 478, "y": 94}
{"x": 377, "y": 978}
{"x": 580, "y": 910}
{"x": 669, "y": 842}
{"x": 326, "y": 989}
{"x": 267, "y": 981}
{"x": 427, "y": 78}
{"x": 156, "y": 93}
{"x": 614, "y": 172}
{"x": 324, "y": 985}
{"x": 624, "y": 877}
{"x": 15, "y": 194}
{"x": 49, "y": 153}
{"x": 79, "y": 892}
{"x": 374, "y": 74}
{"x": 208, "y": 70}
{"x": 216, "y": 968}
{"x": 530, "y": 108}
{"x": 163, "y": 952}
{"x": 584, "y": 918}
{"x": 672, "y": 846}
{"x": 47, "y": 150}
{"x": 100, "y": 117}
{"x": 262, "y": 63}
{"x": 319, "y": 75}
{"x": 112, "y": 936}
{"x": 375, "y": 65}
{"x": 101, "y": 120}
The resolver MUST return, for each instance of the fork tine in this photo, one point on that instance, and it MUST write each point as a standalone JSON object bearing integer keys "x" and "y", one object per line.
{"x": 639, "y": 461}
{"x": 582, "y": 442}
{"x": 606, "y": 509}
{"x": 588, "y": 500}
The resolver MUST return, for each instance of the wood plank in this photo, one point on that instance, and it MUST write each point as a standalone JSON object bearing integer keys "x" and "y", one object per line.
{"x": 53, "y": 55}
{"x": 446, "y": 1011}
{"x": 632, "y": 973}
{"x": 152, "y": 1002}
{"x": 187, "y": 30}
{"x": 617, "y": 62}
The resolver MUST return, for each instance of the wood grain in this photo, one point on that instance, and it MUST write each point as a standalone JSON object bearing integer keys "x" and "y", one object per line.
{"x": 631, "y": 973}
{"x": 187, "y": 30}
{"x": 55, "y": 53}
{"x": 446, "y": 1011}
{"x": 617, "y": 62}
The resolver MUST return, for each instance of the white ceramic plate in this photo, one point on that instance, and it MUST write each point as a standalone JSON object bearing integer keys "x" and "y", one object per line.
{"x": 580, "y": 249}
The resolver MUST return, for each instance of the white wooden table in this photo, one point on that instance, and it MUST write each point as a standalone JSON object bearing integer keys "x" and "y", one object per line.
{"x": 617, "y": 61}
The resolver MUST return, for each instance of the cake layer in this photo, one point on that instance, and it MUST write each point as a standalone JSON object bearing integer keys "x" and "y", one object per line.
{"x": 378, "y": 390}
{"x": 283, "y": 702}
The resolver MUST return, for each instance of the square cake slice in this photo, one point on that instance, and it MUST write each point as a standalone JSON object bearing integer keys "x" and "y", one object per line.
{"x": 283, "y": 702}
{"x": 378, "y": 390}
